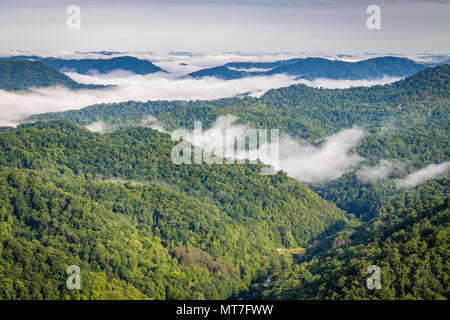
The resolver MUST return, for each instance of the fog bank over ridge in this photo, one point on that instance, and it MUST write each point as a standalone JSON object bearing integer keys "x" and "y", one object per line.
{"x": 15, "y": 106}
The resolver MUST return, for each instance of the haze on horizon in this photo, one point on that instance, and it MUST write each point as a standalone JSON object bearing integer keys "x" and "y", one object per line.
{"x": 407, "y": 26}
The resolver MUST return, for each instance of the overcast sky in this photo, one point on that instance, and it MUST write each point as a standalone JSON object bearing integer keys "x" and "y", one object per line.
{"x": 407, "y": 26}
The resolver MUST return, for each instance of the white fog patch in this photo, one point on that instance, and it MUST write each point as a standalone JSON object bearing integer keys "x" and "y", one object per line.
{"x": 152, "y": 123}
{"x": 148, "y": 122}
{"x": 15, "y": 106}
{"x": 97, "y": 127}
{"x": 327, "y": 161}
{"x": 389, "y": 126}
{"x": 424, "y": 174}
{"x": 123, "y": 181}
{"x": 377, "y": 172}
{"x": 102, "y": 127}
{"x": 299, "y": 159}
{"x": 160, "y": 183}
{"x": 250, "y": 69}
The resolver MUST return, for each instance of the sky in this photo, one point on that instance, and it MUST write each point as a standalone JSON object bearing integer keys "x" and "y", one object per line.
{"x": 407, "y": 26}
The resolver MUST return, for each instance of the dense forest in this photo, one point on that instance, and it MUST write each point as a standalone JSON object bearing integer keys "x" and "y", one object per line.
{"x": 141, "y": 227}
{"x": 138, "y": 225}
{"x": 408, "y": 239}
{"x": 313, "y": 68}
{"x": 405, "y": 123}
{"x": 23, "y": 74}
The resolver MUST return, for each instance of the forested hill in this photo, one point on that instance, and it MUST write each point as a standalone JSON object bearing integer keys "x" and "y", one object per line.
{"x": 138, "y": 225}
{"x": 22, "y": 74}
{"x": 86, "y": 66}
{"x": 300, "y": 110}
{"x": 313, "y": 68}
{"x": 432, "y": 82}
{"x": 427, "y": 83}
{"x": 405, "y": 123}
{"x": 409, "y": 240}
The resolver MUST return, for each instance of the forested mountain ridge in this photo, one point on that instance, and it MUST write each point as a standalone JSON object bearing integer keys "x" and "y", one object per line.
{"x": 298, "y": 109}
{"x": 313, "y": 68}
{"x": 22, "y": 75}
{"x": 102, "y": 66}
{"x": 431, "y": 83}
{"x": 406, "y": 123}
{"x": 138, "y": 225}
{"x": 409, "y": 240}
{"x": 166, "y": 236}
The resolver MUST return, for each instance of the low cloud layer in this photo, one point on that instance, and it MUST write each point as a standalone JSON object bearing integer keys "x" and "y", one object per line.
{"x": 422, "y": 175}
{"x": 181, "y": 63}
{"x": 153, "y": 123}
{"x": 15, "y": 106}
{"x": 148, "y": 121}
{"x": 377, "y": 172}
{"x": 176, "y": 63}
{"x": 328, "y": 161}
{"x": 99, "y": 126}
{"x": 308, "y": 163}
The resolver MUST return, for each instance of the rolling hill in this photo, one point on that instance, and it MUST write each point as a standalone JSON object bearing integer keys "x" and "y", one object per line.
{"x": 22, "y": 74}
{"x": 313, "y": 68}
{"x": 139, "y": 226}
{"x": 102, "y": 66}
{"x": 406, "y": 123}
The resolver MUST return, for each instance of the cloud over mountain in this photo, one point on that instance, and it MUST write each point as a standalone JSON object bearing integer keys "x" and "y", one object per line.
{"x": 424, "y": 174}
{"x": 327, "y": 160}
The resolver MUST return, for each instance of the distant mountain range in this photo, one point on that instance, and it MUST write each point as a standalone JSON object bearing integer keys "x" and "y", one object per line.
{"x": 22, "y": 74}
{"x": 300, "y": 68}
{"x": 313, "y": 68}
{"x": 102, "y": 66}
